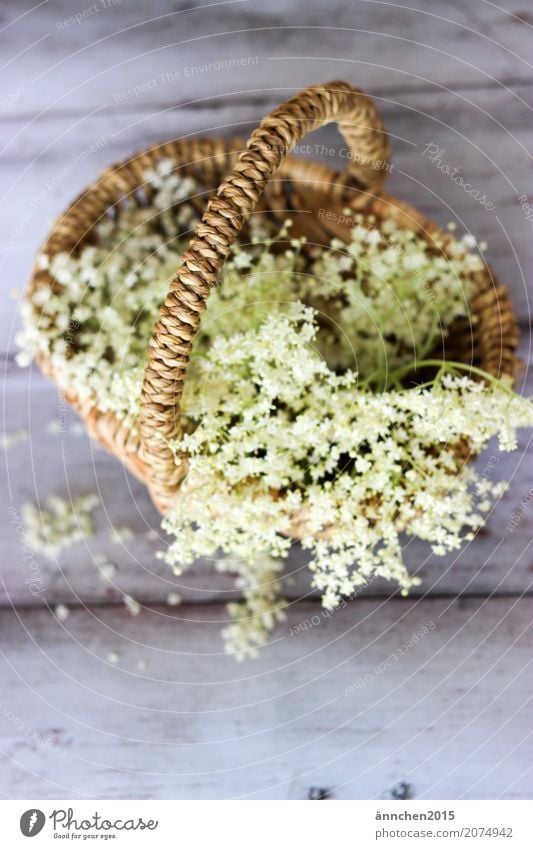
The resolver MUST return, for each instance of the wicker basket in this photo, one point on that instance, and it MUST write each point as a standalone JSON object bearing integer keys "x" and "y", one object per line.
{"x": 304, "y": 189}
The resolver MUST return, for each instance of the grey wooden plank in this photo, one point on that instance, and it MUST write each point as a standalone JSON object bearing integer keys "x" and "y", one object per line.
{"x": 69, "y": 65}
{"x": 499, "y": 560}
{"x": 486, "y": 135}
{"x": 354, "y": 703}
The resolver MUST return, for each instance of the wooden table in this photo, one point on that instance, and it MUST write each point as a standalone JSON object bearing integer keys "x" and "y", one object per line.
{"x": 335, "y": 702}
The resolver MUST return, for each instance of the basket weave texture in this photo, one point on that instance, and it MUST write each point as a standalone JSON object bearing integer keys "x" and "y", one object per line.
{"x": 265, "y": 178}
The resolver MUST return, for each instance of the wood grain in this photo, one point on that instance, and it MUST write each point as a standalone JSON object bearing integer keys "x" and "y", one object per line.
{"x": 80, "y": 66}
{"x": 453, "y": 77}
{"x": 344, "y": 705}
{"x": 333, "y": 701}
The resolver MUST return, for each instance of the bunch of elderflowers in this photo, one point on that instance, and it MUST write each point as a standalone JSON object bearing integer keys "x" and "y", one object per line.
{"x": 285, "y": 431}
{"x": 95, "y": 323}
{"x": 391, "y": 295}
{"x": 62, "y": 524}
{"x": 384, "y": 298}
{"x": 283, "y": 446}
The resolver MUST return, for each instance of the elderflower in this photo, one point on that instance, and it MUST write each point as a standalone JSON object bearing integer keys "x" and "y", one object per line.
{"x": 174, "y": 599}
{"x": 132, "y": 605}
{"x": 15, "y": 437}
{"x": 385, "y": 298}
{"x": 296, "y": 419}
{"x": 283, "y": 446}
{"x": 262, "y": 609}
{"x": 62, "y": 612}
{"x": 121, "y": 535}
{"x": 51, "y": 531}
{"x": 391, "y": 295}
{"x": 95, "y": 325}
{"x": 106, "y": 568}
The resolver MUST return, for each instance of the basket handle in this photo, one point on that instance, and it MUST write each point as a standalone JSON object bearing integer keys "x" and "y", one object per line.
{"x": 225, "y": 215}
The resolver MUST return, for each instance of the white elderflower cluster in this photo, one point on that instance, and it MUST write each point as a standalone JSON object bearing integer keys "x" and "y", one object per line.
{"x": 384, "y": 299}
{"x": 95, "y": 324}
{"x": 132, "y": 605}
{"x": 11, "y": 439}
{"x": 262, "y": 609}
{"x": 62, "y": 612}
{"x": 296, "y": 416}
{"x": 63, "y": 523}
{"x": 282, "y": 444}
{"x": 391, "y": 296}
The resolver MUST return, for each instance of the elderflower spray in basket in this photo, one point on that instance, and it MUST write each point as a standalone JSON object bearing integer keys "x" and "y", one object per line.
{"x": 323, "y": 373}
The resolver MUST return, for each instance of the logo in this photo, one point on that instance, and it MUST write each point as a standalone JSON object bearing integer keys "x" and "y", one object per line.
{"x": 32, "y": 822}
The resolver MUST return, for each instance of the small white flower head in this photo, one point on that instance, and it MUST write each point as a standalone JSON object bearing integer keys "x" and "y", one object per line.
{"x": 132, "y": 606}
{"x": 62, "y": 612}
{"x": 121, "y": 535}
{"x": 174, "y": 599}
{"x": 52, "y": 530}
{"x": 106, "y": 568}
{"x": 55, "y": 426}
{"x": 13, "y": 438}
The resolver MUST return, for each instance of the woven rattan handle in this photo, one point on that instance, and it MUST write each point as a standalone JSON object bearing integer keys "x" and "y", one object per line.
{"x": 224, "y": 217}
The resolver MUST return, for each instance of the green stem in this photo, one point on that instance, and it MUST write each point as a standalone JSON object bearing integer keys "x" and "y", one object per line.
{"x": 444, "y": 365}
{"x": 450, "y": 365}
